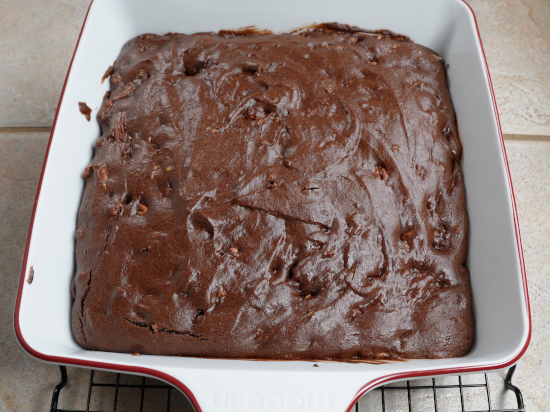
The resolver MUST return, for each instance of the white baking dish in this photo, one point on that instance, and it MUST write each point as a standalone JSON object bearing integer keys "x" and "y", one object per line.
{"x": 42, "y": 314}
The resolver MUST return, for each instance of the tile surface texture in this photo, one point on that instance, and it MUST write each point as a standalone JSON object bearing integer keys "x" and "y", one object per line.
{"x": 530, "y": 168}
{"x": 37, "y": 43}
{"x": 516, "y": 39}
{"x": 24, "y": 382}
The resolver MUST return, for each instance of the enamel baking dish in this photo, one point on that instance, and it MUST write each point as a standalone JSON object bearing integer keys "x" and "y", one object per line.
{"x": 501, "y": 306}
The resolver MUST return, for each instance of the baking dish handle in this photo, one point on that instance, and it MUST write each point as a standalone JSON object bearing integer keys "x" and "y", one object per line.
{"x": 273, "y": 391}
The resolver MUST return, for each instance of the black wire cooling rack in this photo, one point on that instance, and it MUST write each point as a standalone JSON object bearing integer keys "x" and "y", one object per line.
{"x": 166, "y": 401}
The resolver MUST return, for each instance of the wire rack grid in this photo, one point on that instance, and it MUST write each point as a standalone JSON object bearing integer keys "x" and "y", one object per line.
{"x": 382, "y": 399}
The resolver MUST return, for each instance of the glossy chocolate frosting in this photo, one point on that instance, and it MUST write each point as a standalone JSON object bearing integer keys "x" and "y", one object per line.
{"x": 290, "y": 196}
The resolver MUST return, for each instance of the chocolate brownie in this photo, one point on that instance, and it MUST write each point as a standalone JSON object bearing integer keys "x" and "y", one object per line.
{"x": 275, "y": 196}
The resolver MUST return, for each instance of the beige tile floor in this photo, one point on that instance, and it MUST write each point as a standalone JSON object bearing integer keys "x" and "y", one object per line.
{"x": 516, "y": 39}
{"x": 36, "y": 46}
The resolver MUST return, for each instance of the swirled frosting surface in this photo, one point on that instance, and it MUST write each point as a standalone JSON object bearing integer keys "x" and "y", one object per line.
{"x": 289, "y": 196}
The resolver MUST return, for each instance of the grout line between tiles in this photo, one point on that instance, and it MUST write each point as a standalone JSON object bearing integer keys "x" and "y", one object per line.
{"x": 527, "y": 137}
{"x": 531, "y": 137}
{"x": 25, "y": 129}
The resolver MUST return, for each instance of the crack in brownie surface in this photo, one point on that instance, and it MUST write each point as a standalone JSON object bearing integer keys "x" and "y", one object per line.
{"x": 291, "y": 196}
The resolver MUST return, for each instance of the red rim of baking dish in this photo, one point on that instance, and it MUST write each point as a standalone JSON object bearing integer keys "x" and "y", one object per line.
{"x": 372, "y": 384}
